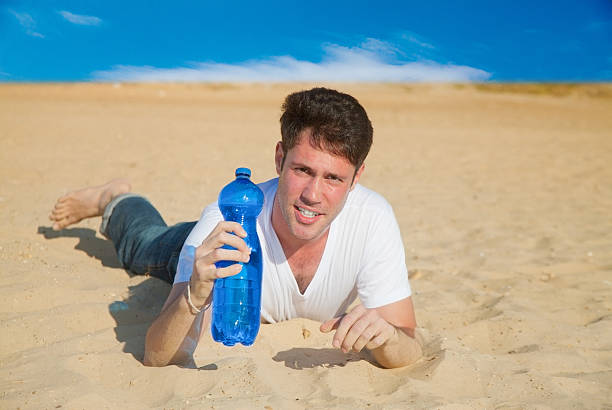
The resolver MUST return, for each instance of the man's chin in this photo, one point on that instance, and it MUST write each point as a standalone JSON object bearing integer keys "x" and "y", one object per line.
{"x": 309, "y": 233}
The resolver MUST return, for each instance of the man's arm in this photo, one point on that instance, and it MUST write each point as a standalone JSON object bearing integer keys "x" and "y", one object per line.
{"x": 174, "y": 335}
{"x": 404, "y": 347}
{"x": 387, "y": 331}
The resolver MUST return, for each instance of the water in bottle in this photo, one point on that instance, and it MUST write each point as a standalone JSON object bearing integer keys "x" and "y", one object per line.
{"x": 237, "y": 299}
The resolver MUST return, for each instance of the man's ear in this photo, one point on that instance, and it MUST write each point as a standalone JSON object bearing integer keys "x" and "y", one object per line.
{"x": 357, "y": 176}
{"x": 279, "y": 156}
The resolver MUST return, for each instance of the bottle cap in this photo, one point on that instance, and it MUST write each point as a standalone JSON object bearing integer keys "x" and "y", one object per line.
{"x": 243, "y": 172}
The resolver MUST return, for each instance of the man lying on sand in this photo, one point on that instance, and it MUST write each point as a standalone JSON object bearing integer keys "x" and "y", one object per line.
{"x": 325, "y": 240}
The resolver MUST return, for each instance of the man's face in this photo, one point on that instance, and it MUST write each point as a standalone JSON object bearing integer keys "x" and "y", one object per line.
{"x": 312, "y": 188}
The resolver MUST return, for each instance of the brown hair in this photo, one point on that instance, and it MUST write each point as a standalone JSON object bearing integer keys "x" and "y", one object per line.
{"x": 338, "y": 123}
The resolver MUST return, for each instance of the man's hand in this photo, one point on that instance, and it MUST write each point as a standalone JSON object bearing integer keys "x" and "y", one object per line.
{"x": 361, "y": 327}
{"x": 211, "y": 251}
{"x": 387, "y": 331}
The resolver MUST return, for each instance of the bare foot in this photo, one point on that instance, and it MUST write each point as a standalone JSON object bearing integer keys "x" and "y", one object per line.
{"x": 86, "y": 203}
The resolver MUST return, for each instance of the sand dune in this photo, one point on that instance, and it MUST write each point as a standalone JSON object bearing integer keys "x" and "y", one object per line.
{"x": 504, "y": 198}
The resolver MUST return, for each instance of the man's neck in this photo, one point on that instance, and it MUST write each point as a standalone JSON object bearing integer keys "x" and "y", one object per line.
{"x": 303, "y": 256}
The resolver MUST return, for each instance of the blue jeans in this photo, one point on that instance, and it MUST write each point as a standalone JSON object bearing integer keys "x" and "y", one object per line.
{"x": 144, "y": 243}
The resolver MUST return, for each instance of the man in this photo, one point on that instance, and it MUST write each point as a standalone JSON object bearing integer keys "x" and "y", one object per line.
{"x": 325, "y": 240}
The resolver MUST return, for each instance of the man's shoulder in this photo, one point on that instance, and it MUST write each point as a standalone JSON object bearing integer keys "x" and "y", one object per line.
{"x": 268, "y": 186}
{"x": 269, "y": 190}
{"x": 365, "y": 198}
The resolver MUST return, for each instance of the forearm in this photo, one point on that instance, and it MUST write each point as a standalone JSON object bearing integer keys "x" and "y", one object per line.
{"x": 174, "y": 335}
{"x": 402, "y": 349}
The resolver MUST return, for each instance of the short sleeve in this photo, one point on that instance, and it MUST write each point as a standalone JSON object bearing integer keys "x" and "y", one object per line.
{"x": 383, "y": 277}
{"x": 210, "y": 217}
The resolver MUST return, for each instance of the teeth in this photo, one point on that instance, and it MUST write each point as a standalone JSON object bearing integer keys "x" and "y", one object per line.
{"x": 307, "y": 213}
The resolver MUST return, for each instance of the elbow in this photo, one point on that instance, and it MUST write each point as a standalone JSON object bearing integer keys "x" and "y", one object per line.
{"x": 151, "y": 363}
{"x": 401, "y": 352}
{"x": 162, "y": 358}
{"x": 181, "y": 360}
{"x": 151, "y": 360}
{"x": 395, "y": 363}
{"x": 153, "y": 353}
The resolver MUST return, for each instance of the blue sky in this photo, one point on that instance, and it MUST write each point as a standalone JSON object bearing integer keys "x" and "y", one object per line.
{"x": 381, "y": 40}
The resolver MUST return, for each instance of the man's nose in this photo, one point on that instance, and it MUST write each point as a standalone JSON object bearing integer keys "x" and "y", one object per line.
{"x": 312, "y": 192}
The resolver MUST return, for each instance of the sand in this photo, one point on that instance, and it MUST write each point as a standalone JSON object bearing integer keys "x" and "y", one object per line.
{"x": 504, "y": 199}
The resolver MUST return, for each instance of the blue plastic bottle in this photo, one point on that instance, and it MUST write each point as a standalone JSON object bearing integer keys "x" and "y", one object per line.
{"x": 237, "y": 299}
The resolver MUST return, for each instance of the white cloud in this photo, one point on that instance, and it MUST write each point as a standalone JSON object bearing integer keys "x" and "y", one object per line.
{"x": 372, "y": 61}
{"x": 80, "y": 19}
{"x": 28, "y": 23}
{"x": 417, "y": 40}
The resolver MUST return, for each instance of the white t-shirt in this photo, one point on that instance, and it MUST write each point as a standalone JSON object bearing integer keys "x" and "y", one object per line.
{"x": 363, "y": 256}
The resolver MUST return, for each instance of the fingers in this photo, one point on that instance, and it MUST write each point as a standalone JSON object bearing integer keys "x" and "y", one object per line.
{"x": 224, "y": 244}
{"x": 229, "y": 226}
{"x": 331, "y": 324}
{"x": 225, "y": 233}
{"x": 225, "y": 254}
{"x": 358, "y": 329}
{"x": 370, "y": 333}
{"x": 381, "y": 338}
{"x": 206, "y": 269}
{"x": 225, "y": 238}
{"x": 228, "y": 271}
{"x": 361, "y": 328}
{"x": 346, "y": 323}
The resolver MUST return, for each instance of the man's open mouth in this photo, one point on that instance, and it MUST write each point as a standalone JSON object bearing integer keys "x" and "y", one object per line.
{"x": 307, "y": 213}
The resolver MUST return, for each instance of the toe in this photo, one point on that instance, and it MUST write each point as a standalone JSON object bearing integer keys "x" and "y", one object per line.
{"x": 57, "y": 215}
{"x": 61, "y": 223}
